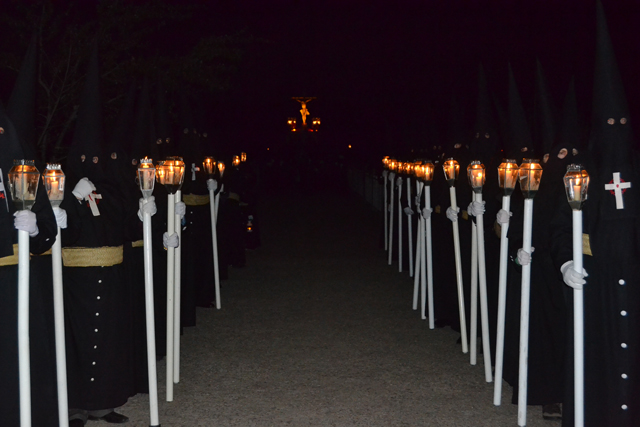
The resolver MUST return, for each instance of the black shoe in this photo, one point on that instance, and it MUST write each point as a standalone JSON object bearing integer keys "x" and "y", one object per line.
{"x": 76, "y": 422}
{"x": 552, "y": 411}
{"x": 112, "y": 418}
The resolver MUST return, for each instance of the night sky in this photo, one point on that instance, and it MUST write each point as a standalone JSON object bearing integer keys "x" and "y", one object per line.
{"x": 385, "y": 71}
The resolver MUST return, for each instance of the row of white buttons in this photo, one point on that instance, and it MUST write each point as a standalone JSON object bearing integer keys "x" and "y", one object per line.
{"x": 623, "y": 345}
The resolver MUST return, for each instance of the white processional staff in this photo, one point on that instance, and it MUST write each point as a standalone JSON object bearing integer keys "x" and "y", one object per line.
{"x": 417, "y": 171}
{"x": 393, "y": 165}
{"x": 177, "y": 285}
{"x": 385, "y": 176}
{"x": 451, "y": 169}
{"x": 23, "y": 183}
{"x": 399, "y": 185}
{"x": 146, "y": 179}
{"x": 576, "y": 184}
{"x": 409, "y": 173}
{"x": 426, "y": 260}
{"x": 54, "y": 180}
{"x": 210, "y": 168}
{"x": 170, "y": 173}
{"x": 530, "y": 173}
{"x": 477, "y": 176}
{"x": 507, "y": 179}
{"x": 221, "y": 168}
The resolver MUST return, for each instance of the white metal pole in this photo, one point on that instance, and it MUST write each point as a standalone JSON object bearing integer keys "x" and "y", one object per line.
{"x": 473, "y": 338}
{"x": 218, "y": 202}
{"x": 24, "y": 360}
{"x": 171, "y": 217}
{"x": 214, "y": 240}
{"x": 502, "y": 304}
{"x": 410, "y": 228}
{"x": 151, "y": 330}
{"x": 391, "y": 203}
{"x": 419, "y": 238}
{"x": 456, "y": 248}
{"x": 385, "y": 173}
{"x": 58, "y": 313}
{"x": 524, "y": 315}
{"x": 484, "y": 308}
{"x": 429, "y": 260}
{"x": 177, "y": 293}
{"x": 399, "y": 182}
{"x": 578, "y": 325}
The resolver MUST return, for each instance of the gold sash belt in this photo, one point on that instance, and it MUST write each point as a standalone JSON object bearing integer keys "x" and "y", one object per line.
{"x": 137, "y": 244}
{"x": 105, "y": 256}
{"x": 195, "y": 199}
{"x": 10, "y": 259}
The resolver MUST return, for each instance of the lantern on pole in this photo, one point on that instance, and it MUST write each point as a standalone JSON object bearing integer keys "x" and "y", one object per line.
{"x": 210, "y": 168}
{"x": 409, "y": 174}
{"x": 221, "y": 168}
{"x": 170, "y": 173}
{"x": 236, "y": 161}
{"x": 576, "y": 184}
{"x": 418, "y": 173}
{"x": 146, "y": 180}
{"x": 529, "y": 174}
{"x": 23, "y": 185}
{"x": 393, "y": 166}
{"x": 398, "y": 183}
{"x": 385, "y": 176}
{"x": 451, "y": 170}
{"x": 54, "y": 180}
{"x": 477, "y": 176}
{"x": 507, "y": 180}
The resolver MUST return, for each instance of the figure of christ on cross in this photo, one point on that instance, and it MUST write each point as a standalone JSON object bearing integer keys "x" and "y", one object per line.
{"x": 617, "y": 187}
{"x": 303, "y": 111}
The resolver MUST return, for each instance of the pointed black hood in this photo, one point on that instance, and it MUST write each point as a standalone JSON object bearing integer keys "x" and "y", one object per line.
{"x": 611, "y": 135}
{"x": 142, "y": 142}
{"x": 21, "y": 108}
{"x": 544, "y": 115}
{"x": 166, "y": 144}
{"x": 569, "y": 130}
{"x": 520, "y": 142}
{"x": 485, "y": 137}
{"x": 121, "y": 138}
{"x": 10, "y": 147}
{"x": 85, "y": 155}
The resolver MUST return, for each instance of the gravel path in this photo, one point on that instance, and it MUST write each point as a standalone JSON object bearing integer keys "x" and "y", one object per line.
{"x": 318, "y": 330}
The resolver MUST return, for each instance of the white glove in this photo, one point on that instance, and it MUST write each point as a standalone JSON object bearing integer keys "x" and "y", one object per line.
{"x": 170, "y": 241}
{"x": 452, "y": 214}
{"x": 503, "y": 217}
{"x": 571, "y": 277}
{"x": 399, "y": 182}
{"x": 392, "y": 175}
{"x": 212, "y": 184}
{"x": 417, "y": 201}
{"x": 524, "y": 257}
{"x": 426, "y": 213}
{"x": 408, "y": 211}
{"x": 61, "y": 217}
{"x": 83, "y": 188}
{"x": 26, "y": 221}
{"x": 147, "y": 206}
{"x": 181, "y": 209}
{"x": 476, "y": 208}
{"x": 385, "y": 173}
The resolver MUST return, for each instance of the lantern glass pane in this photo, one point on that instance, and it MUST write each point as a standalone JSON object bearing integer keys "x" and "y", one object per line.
{"x": 451, "y": 170}
{"x": 170, "y": 173}
{"x": 209, "y": 165}
{"x": 428, "y": 168}
{"x": 146, "y": 177}
{"x": 576, "y": 185}
{"x": 23, "y": 183}
{"x": 54, "y": 180}
{"x": 476, "y": 175}
{"x": 530, "y": 174}
{"x": 508, "y": 176}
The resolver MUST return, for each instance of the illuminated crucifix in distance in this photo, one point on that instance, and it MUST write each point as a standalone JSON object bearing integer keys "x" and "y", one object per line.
{"x": 303, "y": 111}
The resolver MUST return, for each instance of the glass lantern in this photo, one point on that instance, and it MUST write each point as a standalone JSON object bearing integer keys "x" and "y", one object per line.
{"x": 393, "y": 165}
{"x": 428, "y": 168}
{"x": 209, "y": 165}
{"x": 530, "y": 174}
{"x": 476, "y": 175}
{"x": 451, "y": 170}
{"x": 418, "y": 171}
{"x": 507, "y": 176}
{"x": 146, "y": 177}
{"x": 576, "y": 184}
{"x": 23, "y": 184}
{"x": 243, "y": 157}
{"x": 221, "y": 168}
{"x": 54, "y": 179}
{"x": 385, "y": 162}
{"x": 170, "y": 173}
{"x": 236, "y": 161}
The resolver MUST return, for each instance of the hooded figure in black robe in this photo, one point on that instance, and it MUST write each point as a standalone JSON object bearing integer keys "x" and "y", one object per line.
{"x": 611, "y": 242}
{"x": 97, "y": 303}
{"x": 42, "y": 347}
{"x": 547, "y": 309}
